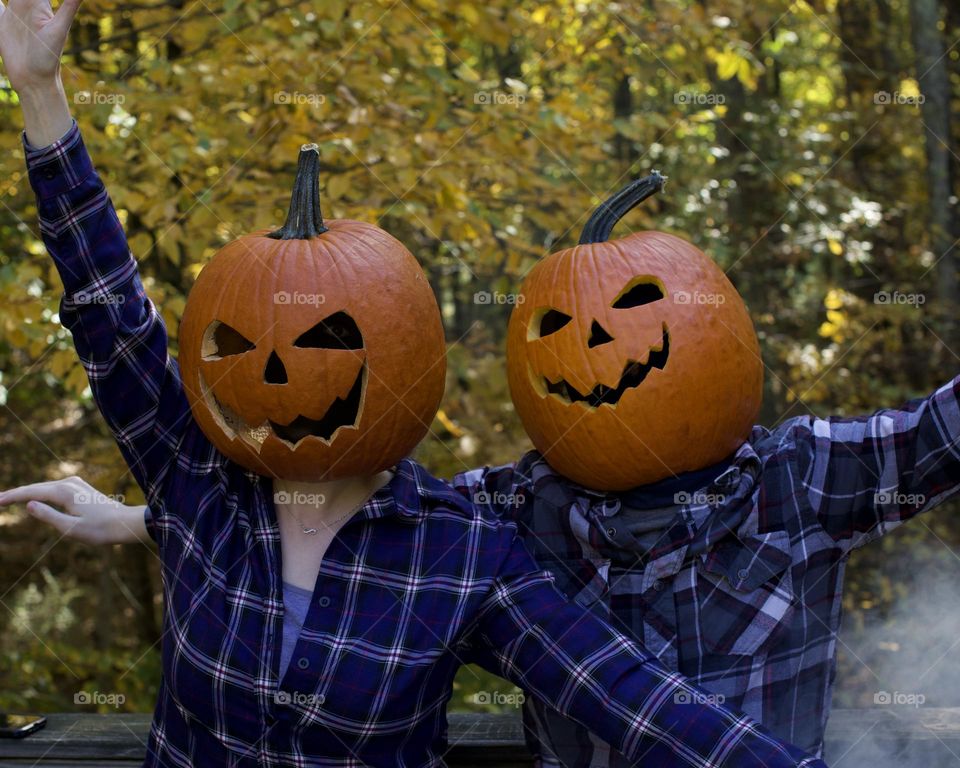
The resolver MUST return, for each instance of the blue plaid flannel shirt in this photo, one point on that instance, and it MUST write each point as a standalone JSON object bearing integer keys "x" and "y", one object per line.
{"x": 742, "y": 594}
{"x": 417, "y": 583}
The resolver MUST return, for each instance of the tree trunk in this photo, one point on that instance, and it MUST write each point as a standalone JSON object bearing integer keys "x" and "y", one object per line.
{"x": 934, "y": 80}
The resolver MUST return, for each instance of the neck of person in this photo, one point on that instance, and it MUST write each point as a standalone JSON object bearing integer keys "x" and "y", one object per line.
{"x": 324, "y": 504}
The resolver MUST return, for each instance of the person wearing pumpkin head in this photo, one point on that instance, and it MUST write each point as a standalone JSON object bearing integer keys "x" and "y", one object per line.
{"x": 273, "y": 458}
{"x": 658, "y": 503}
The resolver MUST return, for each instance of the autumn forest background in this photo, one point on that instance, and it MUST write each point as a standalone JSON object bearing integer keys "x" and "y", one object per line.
{"x": 813, "y": 149}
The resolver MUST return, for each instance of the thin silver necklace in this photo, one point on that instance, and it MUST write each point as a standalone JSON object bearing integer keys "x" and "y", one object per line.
{"x": 313, "y": 531}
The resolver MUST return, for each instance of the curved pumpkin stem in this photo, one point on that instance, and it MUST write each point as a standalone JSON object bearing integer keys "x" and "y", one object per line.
{"x": 304, "y": 219}
{"x": 604, "y": 219}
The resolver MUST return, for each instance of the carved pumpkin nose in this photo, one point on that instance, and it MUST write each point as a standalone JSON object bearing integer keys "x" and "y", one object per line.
{"x": 598, "y": 335}
{"x": 274, "y": 372}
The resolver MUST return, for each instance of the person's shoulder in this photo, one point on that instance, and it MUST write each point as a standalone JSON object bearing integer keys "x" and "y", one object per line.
{"x": 429, "y": 498}
{"x": 782, "y": 438}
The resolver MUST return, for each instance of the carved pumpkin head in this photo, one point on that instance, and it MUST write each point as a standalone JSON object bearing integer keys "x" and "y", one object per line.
{"x": 632, "y": 360}
{"x": 315, "y": 352}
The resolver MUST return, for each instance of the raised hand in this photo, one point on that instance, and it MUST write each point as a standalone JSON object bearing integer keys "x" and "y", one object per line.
{"x": 88, "y": 515}
{"x": 32, "y": 37}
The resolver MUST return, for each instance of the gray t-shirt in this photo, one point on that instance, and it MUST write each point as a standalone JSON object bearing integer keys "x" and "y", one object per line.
{"x": 296, "y": 603}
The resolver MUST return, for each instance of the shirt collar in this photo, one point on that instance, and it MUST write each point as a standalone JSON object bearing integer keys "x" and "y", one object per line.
{"x": 533, "y": 467}
{"x": 698, "y": 525}
{"x": 412, "y": 493}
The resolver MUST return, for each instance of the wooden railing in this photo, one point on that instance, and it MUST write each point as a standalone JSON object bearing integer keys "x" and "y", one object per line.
{"x": 856, "y": 738}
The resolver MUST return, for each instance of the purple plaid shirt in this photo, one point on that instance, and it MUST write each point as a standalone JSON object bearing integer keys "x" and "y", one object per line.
{"x": 415, "y": 584}
{"x": 742, "y": 593}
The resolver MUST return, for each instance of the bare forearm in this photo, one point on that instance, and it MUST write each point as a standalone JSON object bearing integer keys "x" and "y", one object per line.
{"x": 128, "y": 526}
{"x": 46, "y": 113}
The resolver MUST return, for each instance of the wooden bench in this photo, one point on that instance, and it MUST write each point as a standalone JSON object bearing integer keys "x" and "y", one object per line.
{"x": 900, "y": 737}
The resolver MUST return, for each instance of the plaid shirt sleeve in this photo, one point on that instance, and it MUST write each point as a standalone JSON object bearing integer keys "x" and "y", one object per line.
{"x": 149, "y": 524}
{"x": 491, "y": 489}
{"x": 119, "y": 336}
{"x": 588, "y": 671}
{"x": 865, "y": 476}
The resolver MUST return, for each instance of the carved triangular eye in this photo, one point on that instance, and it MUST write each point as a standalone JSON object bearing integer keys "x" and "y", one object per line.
{"x": 638, "y": 295}
{"x": 222, "y": 340}
{"x": 552, "y": 321}
{"x": 338, "y": 331}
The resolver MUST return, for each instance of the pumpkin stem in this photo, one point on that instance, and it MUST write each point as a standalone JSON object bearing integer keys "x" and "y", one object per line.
{"x": 304, "y": 219}
{"x": 604, "y": 219}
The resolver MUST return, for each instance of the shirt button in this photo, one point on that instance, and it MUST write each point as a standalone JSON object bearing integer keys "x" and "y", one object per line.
{"x": 303, "y": 662}
{"x": 658, "y": 585}
{"x": 324, "y": 601}
{"x": 611, "y": 531}
{"x": 742, "y": 574}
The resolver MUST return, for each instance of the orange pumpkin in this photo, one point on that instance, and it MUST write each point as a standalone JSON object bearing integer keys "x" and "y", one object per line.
{"x": 314, "y": 352}
{"x": 632, "y": 360}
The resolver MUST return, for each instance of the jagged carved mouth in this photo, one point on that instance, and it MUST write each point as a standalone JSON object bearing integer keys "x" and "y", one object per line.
{"x": 634, "y": 372}
{"x": 343, "y": 413}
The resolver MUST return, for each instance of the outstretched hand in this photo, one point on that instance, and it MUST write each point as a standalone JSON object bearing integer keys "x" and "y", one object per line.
{"x": 87, "y": 515}
{"x": 32, "y": 38}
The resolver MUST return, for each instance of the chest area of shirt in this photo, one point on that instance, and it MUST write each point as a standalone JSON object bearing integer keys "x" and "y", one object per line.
{"x": 381, "y": 619}
{"x": 687, "y": 592}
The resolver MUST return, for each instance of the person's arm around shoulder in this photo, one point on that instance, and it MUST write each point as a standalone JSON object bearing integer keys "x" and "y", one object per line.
{"x": 490, "y": 488}
{"x": 571, "y": 659}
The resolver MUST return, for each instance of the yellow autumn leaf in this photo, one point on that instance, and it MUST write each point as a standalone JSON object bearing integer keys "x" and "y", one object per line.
{"x": 337, "y": 186}
{"x": 728, "y": 64}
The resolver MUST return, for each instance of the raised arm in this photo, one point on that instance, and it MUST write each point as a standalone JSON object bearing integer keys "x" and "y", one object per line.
{"x": 864, "y": 476}
{"x": 119, "y": 336}
{"x": 574, "y": 661}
